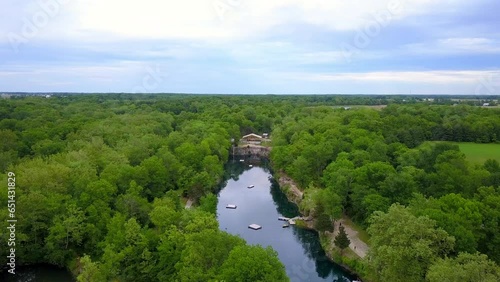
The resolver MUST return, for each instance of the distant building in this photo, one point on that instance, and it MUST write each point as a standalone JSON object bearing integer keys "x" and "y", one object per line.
{"x": 47, "y": 96}
{"x": 251, "y": 139}
{"x": 486, "y": 104}
{"x": 5, "y": 96}
{"x": 265, "y": 135}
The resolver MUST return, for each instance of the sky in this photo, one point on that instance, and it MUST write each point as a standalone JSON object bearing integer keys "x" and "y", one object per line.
{"x": 251, "y": 46}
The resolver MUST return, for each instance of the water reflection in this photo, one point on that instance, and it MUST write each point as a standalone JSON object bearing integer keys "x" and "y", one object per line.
{"x": 298, "y": 249}
{"x": 38, "y": 273}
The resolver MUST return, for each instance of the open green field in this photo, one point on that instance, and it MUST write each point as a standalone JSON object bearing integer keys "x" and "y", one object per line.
{"x": 478, "y": 153}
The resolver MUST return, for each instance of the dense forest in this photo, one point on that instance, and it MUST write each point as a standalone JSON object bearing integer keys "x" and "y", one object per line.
{"x": 102, "y": 180}
{"x": 429, "y": 211}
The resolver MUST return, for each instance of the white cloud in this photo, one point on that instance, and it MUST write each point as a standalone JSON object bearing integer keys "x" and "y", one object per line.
{"x": 243, "y": 20}
{"x": 455, "y": 45}
{"x": 434, "y": 77}
{"x": 480, "y": 45}
{"x": 115, "y": 40}
{"x": 149, "y": 18}
{"x": 194, "y": 19}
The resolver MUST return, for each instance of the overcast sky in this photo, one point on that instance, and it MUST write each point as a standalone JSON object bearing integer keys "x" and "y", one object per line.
{"x": 251, "y": 46}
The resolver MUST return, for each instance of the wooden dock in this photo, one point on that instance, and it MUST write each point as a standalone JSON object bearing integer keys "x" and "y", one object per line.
{"x": 254, "y": 226}
{"x": 292, "y": 221}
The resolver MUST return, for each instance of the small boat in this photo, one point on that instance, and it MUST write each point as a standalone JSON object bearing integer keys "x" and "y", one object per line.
{"x": 242, "y": 160}
{"x": 286, "y": 225}
{"x": 251, "y": 186}
{"x": 231, "y": 207}
{"x": 254, "y": 226}
{"x": 250, "y": 166}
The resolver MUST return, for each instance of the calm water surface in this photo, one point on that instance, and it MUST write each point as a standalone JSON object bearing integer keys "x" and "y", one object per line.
{"x": 38, "y": 273}
{"x": 298, "y": 249}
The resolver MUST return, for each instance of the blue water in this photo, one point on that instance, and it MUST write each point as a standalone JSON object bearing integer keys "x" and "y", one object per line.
{"x": 38, "y": 273}
{"x": 298, "y": 249}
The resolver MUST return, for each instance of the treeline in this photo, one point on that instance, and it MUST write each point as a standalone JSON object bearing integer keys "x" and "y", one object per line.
{"x": 412, "y": 125}
{"x": 102, "y": 179}
{"x": 100, "y": 183}
{"x": 426, "y": 207}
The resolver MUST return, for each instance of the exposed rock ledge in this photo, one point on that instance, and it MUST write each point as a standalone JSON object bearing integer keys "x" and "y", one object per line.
{"x": 295, "y": 195}
{"x": 291, "y": 190}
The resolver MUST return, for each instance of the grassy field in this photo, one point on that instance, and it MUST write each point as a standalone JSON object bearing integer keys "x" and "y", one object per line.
{"x": 478, "y": 153}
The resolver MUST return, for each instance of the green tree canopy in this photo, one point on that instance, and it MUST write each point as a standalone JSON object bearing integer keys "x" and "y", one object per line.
{"x": 403, "y": 246}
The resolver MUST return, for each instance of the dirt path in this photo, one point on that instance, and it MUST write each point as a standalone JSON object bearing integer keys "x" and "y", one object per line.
{"x": 357, "y": 246}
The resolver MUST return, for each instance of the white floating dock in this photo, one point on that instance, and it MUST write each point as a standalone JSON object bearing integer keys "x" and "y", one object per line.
{"x": 230, "y": 206}
{"x": 251, "y": 186}
{"x": 254, "y": 226}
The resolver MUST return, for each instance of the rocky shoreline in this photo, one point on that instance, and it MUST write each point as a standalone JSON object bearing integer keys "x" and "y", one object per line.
{"x": 295, "y": 195}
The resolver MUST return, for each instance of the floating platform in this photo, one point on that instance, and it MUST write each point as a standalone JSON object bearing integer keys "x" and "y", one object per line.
{"x": 231, "y": 207}
{"x": 254, "y": 226}
{"x": 283, "y": 218}
{"x": 251, "y": 186}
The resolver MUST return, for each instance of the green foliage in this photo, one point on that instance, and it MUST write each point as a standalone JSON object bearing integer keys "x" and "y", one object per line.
{"x": 341, "y": 240}
{"x": 403, "y": 246}
{"x": 374, "y": 159}
{"x": 208, "y": 203}
{"x": 458, "y": 216}
{"x": 252, "y": 263}
{"x": 490, "y": 210}
{"x": 89, "y": 270}
{"x": 323, "y": 221}
{"x": 465, "y": 267}
{"x": 65, "y": 234}
{"x": 103, "y": 175}
{"x": 204, "y": 254}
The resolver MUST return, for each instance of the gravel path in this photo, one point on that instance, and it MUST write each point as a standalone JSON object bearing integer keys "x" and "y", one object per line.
{"x": 357, "y": 246}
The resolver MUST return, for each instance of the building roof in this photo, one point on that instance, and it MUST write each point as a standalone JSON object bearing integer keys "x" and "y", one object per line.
{"x": 251, "y": 135}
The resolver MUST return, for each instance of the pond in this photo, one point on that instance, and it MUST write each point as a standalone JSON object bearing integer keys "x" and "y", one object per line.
{"x": 38, "y": 273}
{"x": 298, "y": 249}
